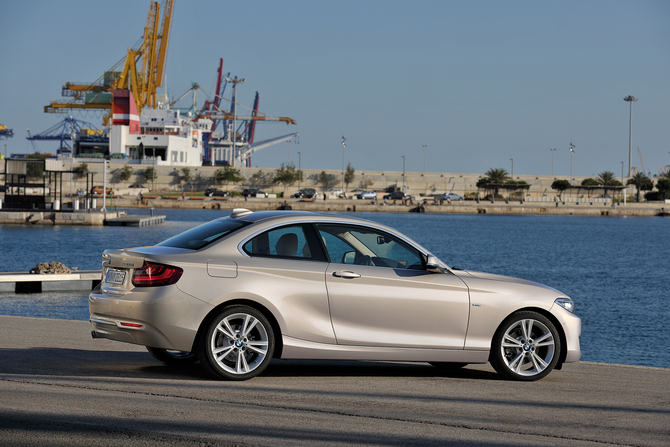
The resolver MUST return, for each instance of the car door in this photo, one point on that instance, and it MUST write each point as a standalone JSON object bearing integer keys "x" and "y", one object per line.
{"x": 380, "y": 295}
{"x": 284, "y": 265}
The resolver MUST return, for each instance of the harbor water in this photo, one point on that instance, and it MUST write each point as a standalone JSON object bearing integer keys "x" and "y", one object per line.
{"x": 617, "y": 269}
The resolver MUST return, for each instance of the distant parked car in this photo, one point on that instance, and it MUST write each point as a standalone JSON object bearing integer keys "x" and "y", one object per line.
{"x": 137, "y": 185}
{"x": 305, "y": 193}
{"x": 397, "y": 195}
{"x": 367, "y": 195}
{"x": 98, "y": 190}
{"x": 210, "y": 192}
{"x": 337, "y": 192}
{"x": 451, "y": 196}
{"x": 253, "y": 192}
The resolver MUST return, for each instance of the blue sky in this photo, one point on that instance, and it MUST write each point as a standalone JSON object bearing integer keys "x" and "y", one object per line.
{"x": 478, "y": 82}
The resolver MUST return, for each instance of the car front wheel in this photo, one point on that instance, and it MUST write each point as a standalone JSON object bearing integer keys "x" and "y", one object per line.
{"x": 170, "y": 357}
{"x": 237, "y": 344}
{"x": 525, "y": 347}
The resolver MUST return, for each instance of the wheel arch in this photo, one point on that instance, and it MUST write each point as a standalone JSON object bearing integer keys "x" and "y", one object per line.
{"x": 564, "y": 348}
{"x": 279, "y": 345}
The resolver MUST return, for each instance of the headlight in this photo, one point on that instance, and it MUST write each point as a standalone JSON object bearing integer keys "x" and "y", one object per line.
{"x": 566, "y": 303}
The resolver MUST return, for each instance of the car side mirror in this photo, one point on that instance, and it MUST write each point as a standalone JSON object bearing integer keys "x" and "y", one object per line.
{"x": 349, "y": 257}
{"x": 433, "y": 265}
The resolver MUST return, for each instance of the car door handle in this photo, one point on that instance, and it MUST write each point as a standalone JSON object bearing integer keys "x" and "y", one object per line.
{"x": 346, "y": 274}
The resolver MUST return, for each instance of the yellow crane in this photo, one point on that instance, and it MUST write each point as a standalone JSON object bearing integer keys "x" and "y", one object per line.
{"x": 142, "y": 70}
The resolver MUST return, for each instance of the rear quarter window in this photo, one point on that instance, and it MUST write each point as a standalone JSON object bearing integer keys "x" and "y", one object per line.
{"x": 203, "y": 235}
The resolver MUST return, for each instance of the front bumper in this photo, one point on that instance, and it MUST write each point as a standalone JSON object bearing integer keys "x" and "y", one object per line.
{"x": 572, "y": 327}
{"x": 160, "y": 317}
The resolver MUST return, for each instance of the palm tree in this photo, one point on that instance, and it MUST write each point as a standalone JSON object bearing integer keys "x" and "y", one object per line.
{"x": 607, "y": 178}
{"x": 497, "y": 175}
{"x": 641, "y": 182}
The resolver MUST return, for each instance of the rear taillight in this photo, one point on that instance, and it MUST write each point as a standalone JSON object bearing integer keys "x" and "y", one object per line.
{"x": 152, "y": 275}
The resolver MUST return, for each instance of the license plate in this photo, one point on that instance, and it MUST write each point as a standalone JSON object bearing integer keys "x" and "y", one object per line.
{"x": 115, "y": 277}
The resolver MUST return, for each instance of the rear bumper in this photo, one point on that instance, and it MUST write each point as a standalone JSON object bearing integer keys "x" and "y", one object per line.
{"x": 160, "y": 317}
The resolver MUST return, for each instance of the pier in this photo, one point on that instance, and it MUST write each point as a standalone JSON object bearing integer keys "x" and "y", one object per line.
{"x": 134, "y": 221}
{"x": 20, "y": 282}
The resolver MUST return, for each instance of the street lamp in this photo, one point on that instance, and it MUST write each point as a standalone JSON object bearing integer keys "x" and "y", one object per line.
{"x": 299, "y": 169}
{"x": 512, "y": 168}
{"x": 552, "y": 161}
{"x": 630, "y": 99}
{"x": 424, "y": 157}
{"x": 344, "y": 146}
{"x": 403, "y": 173}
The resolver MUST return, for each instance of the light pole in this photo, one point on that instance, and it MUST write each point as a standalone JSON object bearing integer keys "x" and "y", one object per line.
{"x": 344, "y": 146}
{"x": 552, "y": 161}
{"x": 512, "y": 168}
{"x": 622, "y": 182}
{"x": 424, "y": 157}
{"x": 403, "y": 173}
{"x": 73, "y": 135}
{"x": 572, "y": 152}
{"x": 630, "y": 99}
{"x": 299, "y": 169}
{"x": 235, "y": 82}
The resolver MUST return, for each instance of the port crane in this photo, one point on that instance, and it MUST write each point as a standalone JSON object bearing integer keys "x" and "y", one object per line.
{"x": 65, "y": 131}
{"x": 142, "y": 70}
{"x": 5, "y": 133}
{"x": 234, "y": 146}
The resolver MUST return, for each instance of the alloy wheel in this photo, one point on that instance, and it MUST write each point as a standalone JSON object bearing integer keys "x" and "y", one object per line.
{"x": 526, "y": 347}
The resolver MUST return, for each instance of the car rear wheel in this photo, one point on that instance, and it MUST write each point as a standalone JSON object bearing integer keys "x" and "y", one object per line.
{"x": 171, "y": 357}
{"x": 525, "y": 347}
{"x": 237, "y": 344}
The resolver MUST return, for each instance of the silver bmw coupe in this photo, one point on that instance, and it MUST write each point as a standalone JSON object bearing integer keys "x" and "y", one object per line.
{"x": 236, "y": 292}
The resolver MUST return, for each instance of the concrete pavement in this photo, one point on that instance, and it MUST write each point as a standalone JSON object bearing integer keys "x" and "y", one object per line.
{"x": 60, "y": 387}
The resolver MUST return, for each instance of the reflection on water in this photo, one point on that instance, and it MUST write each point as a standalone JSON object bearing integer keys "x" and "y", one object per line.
{"x": 616, "y": 269}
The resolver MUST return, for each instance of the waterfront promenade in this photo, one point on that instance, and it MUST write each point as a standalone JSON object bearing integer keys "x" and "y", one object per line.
{"x": 97, "y": 218}
{"x": 60, "y": 387}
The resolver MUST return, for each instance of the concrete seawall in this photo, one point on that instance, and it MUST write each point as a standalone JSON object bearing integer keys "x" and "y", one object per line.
{"x": 347, "y": 205}
{"x": 56, "y": 217}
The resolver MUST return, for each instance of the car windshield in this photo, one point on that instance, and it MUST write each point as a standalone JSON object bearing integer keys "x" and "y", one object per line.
{"x": 205, "y": 234}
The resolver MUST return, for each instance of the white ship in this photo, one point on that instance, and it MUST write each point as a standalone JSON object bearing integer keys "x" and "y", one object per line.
{"x": 167, "y": 137}
{"x": 160, "y": 136}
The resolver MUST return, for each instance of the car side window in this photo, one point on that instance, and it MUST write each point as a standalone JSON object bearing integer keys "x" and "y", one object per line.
{"x": 283, "y": 242}
{"x": 365, "y": 246}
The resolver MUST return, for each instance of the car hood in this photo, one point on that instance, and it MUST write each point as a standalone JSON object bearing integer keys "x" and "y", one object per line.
{"x": 464, "y": 274}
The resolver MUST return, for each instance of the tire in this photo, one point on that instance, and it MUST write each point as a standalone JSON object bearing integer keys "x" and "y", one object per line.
{"x": 448, "y": 366}
{"x": 170, "y": 357}
{"x": 526, "y": 347}
{"x": 237, "y": 344}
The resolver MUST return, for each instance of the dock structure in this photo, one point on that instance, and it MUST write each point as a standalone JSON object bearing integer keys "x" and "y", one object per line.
{"x": 20, "y": 282}
{"x": 134, "y": 221}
